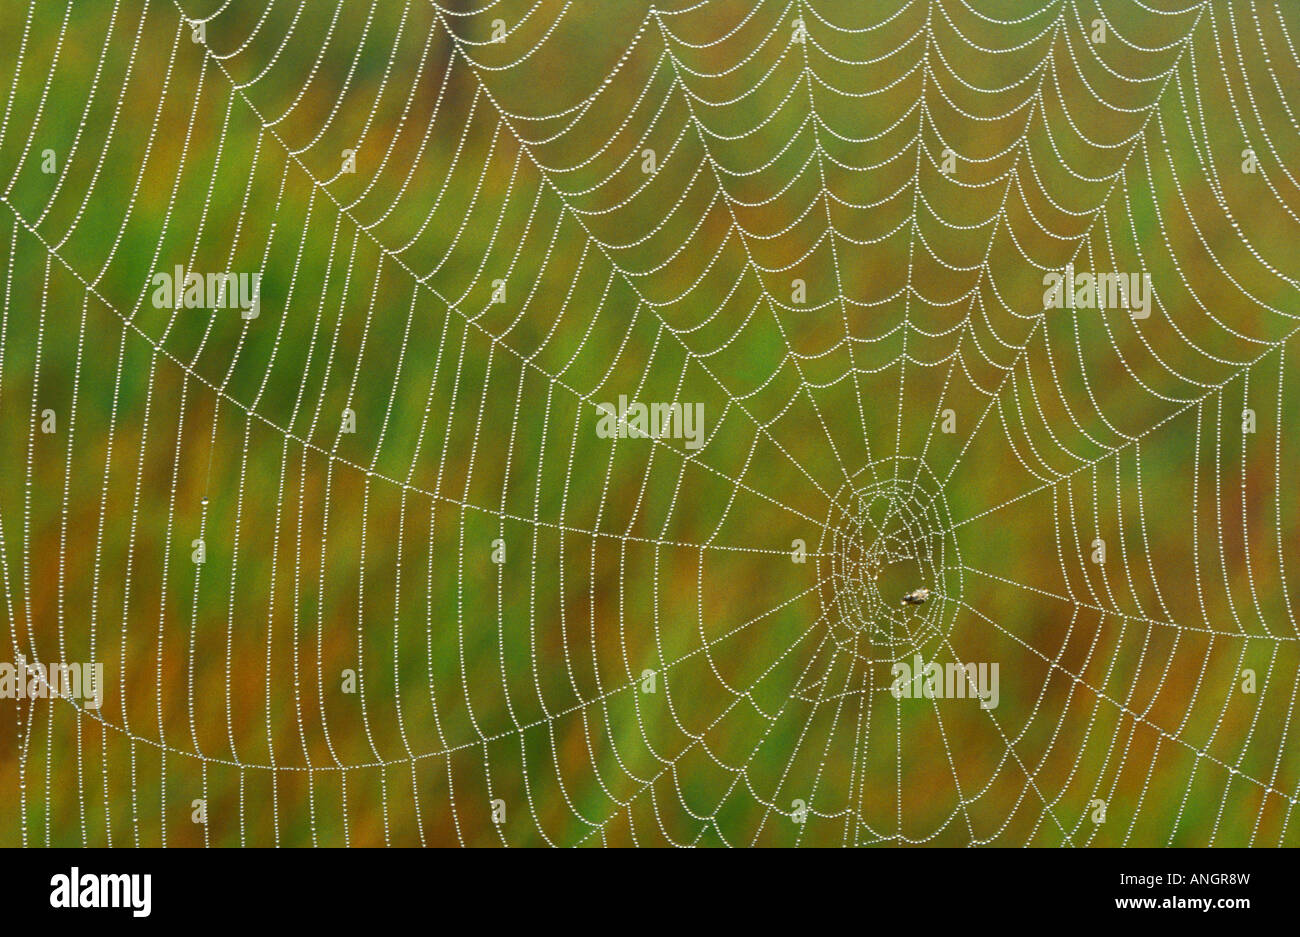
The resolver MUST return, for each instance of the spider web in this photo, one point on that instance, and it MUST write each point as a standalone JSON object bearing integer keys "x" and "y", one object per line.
{"x": 436, "y": 606}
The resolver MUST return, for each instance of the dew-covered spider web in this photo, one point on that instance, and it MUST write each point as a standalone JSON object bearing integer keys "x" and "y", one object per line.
{"x": 376, "y": 545}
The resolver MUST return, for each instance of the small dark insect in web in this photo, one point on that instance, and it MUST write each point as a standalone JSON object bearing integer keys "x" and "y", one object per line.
{"x": 916, "y": 597}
